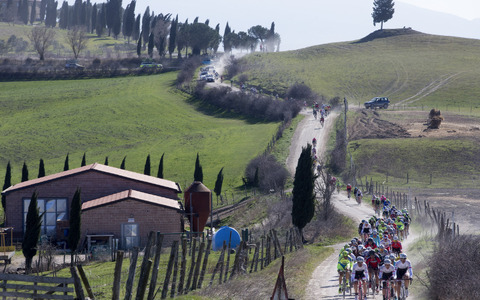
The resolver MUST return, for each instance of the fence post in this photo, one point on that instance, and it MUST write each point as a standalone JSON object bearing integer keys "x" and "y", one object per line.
{"x": 117, "y": 276}
{"x": 183, "y": 265}
{"x": 205, "y": 262}
{"x": 77, "y": 283}
{"x": 131, "y": 274}
{"x": 153, "y": 280}
{"x": 173, "y": 254}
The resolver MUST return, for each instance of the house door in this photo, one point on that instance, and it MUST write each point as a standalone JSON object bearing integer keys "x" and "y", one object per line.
{"x": 130, "y": 235}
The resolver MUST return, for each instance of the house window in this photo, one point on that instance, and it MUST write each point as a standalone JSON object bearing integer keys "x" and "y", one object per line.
{"x": 54, "y": 209}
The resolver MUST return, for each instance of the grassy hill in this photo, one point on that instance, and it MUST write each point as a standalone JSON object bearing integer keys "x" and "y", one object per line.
{"x": 133, "y": 117}
{"x": 426, "y": 69}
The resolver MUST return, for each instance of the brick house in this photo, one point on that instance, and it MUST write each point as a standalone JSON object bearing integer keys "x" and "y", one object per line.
{"x": 108, "y": 188}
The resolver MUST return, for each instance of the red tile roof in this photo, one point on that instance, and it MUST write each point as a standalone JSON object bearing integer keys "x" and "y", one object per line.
{"x": 131, "y": 194}
{"x": 98, "y": 168}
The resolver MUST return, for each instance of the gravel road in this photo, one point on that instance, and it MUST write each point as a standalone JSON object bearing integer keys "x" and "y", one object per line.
{"x": 324, "y": 281}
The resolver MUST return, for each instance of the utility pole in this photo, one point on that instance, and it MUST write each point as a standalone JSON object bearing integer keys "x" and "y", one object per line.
{"x": 345, "y": 104}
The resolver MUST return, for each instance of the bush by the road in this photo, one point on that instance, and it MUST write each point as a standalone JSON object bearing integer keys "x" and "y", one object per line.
{"x": 271, "y": 174}
{"x": 454, "y": 269}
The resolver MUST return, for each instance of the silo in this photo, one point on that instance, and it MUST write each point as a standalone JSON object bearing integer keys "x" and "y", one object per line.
{"x": 197, "y": 205}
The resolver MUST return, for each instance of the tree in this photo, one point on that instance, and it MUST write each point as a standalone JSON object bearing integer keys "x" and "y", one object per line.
{"x": 41, "y": 38}
{"x": 64, "y": 13}
{"x": 122, "y": 165}
{"x": 24, "y": 172}
{"x": 255, "y": 178}
{"x": 33, "y": 12}
{"x": 66, "y": 167}
{"x": 259, "y": 33}
{"x": 218, "y": 184}
{"x": 172, "y": 36}
{"x": 51, "y": 13}
{"x": 151, "y": 44}
{"x": 303, "y": 195}
{"x": 93, "y": 18}
{"x": 43, "y": 6}
{"x": 101, "y": 20}
{"x": 6, "y": 184}
{"x": 139, "y": 46}
{"x": 129, "y": 17}
{"x": 198, "y": 173}
{"x": 75, "y": 224}
{"x": 84, "y": 160}
{"x": 77, "y": 40}
{"x": 160, "y": 167}
{"x": 136, "y": 28}
{"x": 23, "y": 11}
{"x": 146, "y": 20}
{"x": 146, "y": 169}
{"x": 106, "y": 161}
{"x": 160, "y": 32}
{"x": 227, "y": 44}
{"x": 41, "y": 169}
{"x": 183, "y": 36}
{"x": 382, "y": 11}
{"x": 325, "y": 188}
{"x": 33, "y": 227}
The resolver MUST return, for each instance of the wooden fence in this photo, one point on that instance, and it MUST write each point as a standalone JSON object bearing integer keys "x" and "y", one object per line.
{"x": 187, "y": 263}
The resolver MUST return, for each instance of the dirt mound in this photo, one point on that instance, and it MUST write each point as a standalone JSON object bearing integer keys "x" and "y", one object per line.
{"x": 369, "y": 125}
{"x": 385, "y": 33}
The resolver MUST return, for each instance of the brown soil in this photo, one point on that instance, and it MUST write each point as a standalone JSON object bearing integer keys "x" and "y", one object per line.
{"x": 369, "y": 125}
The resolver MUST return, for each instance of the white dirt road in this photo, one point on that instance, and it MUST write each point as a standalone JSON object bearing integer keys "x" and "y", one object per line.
{"x": 324, "y": 281}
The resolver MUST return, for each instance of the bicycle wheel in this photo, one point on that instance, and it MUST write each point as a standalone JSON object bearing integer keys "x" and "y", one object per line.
{"x": 360, "y": 290}
{"x": 344, "y": 285}
{"x": 403, "y": 294}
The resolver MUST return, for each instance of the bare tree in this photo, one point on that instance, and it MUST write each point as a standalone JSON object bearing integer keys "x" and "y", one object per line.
{"x": 41, "y": 38}
{"x": 324, "y": 187}
{"x": 77, "y": 40}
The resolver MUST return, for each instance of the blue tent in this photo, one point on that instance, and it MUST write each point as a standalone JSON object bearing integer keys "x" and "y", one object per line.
{"x": 223, "y": 234}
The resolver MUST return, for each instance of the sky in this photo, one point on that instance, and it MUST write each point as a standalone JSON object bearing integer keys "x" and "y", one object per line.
{"x": 303, "y": 23}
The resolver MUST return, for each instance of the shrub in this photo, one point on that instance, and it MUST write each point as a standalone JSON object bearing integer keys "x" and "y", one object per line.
{"x": 454, "y": 269}
{"x": 300, "y": 91}
{"x": 271, "y": 174}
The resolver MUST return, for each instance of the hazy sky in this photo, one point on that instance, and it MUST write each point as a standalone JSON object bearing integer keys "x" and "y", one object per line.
{"x": 303, "y": 23}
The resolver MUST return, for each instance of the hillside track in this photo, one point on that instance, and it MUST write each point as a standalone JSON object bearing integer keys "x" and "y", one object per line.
{"x": 430, "y": 88}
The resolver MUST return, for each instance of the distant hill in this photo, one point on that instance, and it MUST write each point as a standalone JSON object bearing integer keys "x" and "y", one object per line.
{"x": 410, "y": 67}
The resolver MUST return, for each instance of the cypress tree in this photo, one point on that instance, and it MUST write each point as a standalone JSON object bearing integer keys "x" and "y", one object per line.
{"x": 6, "y": 184}
{"x": 227, "y": 46}
{"x": 303, "y": 195}
{"x": 151, "y": 44}
{"x": 198, "y": 173}
{"x": 173, "y": 36}
{"x": 139, "y": 46}
{"x": 24, "y": 172}
{"x": 218, "y": 184}
{"x": 255, "y": 178}
{"x": 33, "y": 227}
{"x": 146, "y": 19}
{"x": 41, "y": 169}
{"x": 160, "y": 167}
{"x": 84, "y": 160}
{"x": 75, "y": 224}
{"x": 33, "y": 12}
{"x": 136, "y": 28}
{"x": 146, "y": 169}
{"x": 106, "y": 161}
{"x": 43, "y": 6}
{"x": 122, "y": 165}
{"x": 65, "y": 164}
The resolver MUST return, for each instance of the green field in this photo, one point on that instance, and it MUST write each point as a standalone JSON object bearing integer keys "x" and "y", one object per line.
{"x": 441, "y": 70}
{"x": 131, "y": 116}
{"x": 451, "y": 162}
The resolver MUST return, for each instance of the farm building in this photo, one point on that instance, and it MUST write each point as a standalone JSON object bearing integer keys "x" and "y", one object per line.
{"x": 117, "y": 204}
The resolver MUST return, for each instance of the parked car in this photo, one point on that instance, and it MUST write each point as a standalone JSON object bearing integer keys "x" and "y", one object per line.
{"x": 73, "y": 65}
{"x": 150, "y": 64}
{"x": 210, "y": 78}
{"x": 377, "y": 102}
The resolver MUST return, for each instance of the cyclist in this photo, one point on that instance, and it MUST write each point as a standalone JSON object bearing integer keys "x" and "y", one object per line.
{"x": 387, "y": 272}
{"x": 349, "y": 190}
{"x": 359, "y": 196}
{"x": 406, "y": 220}
{"x": 386, "y": 242}
{"x": 360, "y": 272}
{"x": 375, "y": 237}
{"x": 396, "y": 246}
{"x": 373, "y": 262}
{"x": 315, "y": 113}
{"x": 370, "y": 243}
{"x": 382, "y": 252}
{"x": 322, "y": 120}
{"x": 377, "y": 205}
{"x": 366, "y": 230}
{"x": 314, "y": 142}
{"x": 403, "y": 270}
{"x": 344, "y": 267}
{"x": 338, "y": 187}
{"x": 400, "y": 227}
